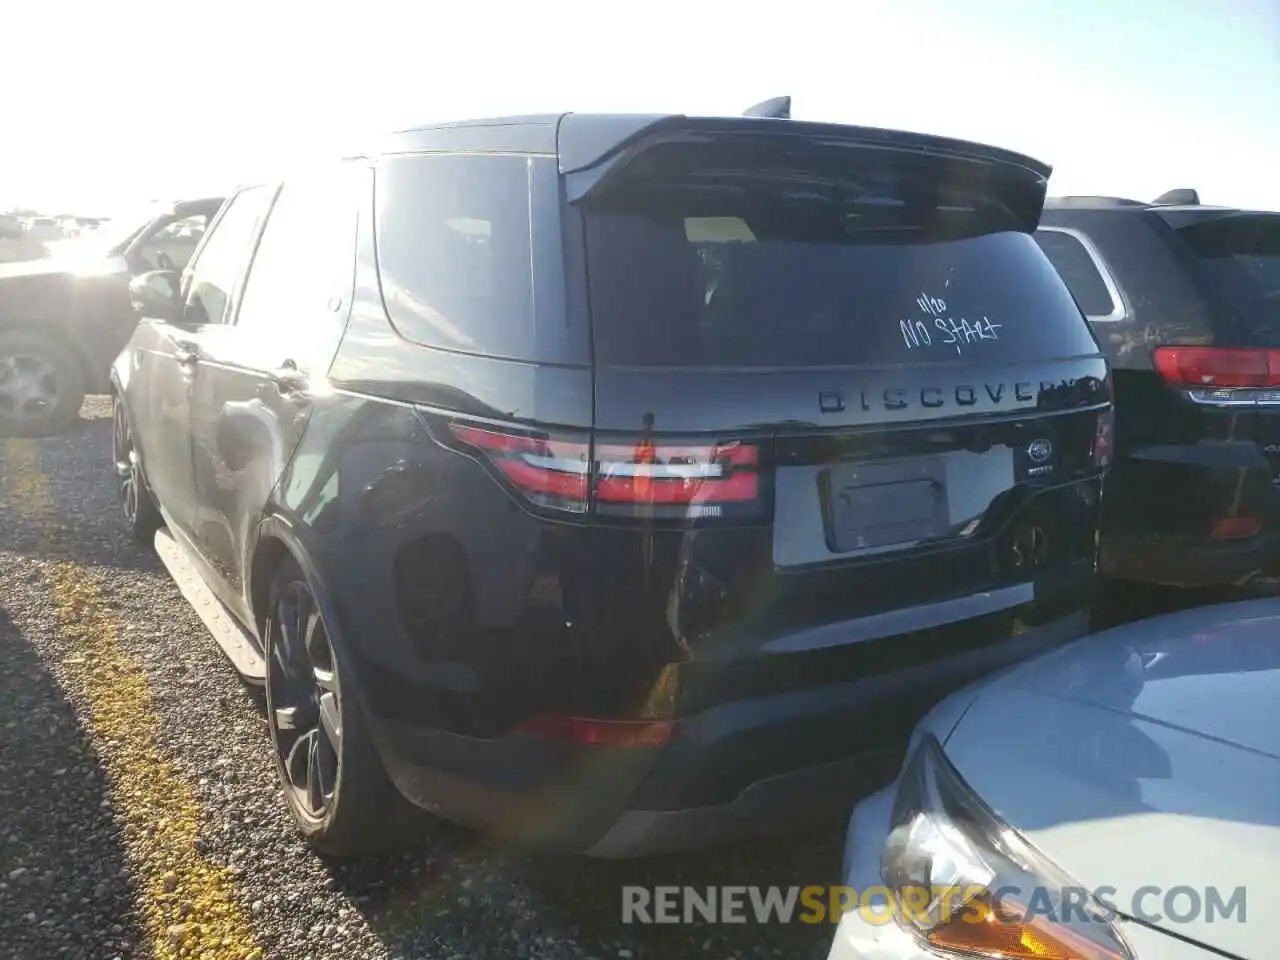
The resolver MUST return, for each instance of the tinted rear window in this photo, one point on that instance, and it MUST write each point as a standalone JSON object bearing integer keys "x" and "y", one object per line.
{"x": 769, "y": 277}
{"x": 1239, "y": 256}
{"x": 454, "y": 253}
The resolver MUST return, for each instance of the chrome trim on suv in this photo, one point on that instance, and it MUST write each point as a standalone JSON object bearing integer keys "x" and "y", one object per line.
{"x": 1120, "y": 311}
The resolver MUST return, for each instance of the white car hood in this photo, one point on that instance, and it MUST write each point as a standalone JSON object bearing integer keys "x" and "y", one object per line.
{"x": 1135, "y": 761}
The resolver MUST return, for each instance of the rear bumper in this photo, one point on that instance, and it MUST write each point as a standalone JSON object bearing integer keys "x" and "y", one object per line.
{"x": 750, "y": 766}
{"x": 1188, "y": 563}
{"x": 1160, "y": 504}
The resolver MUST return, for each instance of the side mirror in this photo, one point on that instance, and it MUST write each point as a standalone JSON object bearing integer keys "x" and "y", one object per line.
{"x": 155, "y": 294}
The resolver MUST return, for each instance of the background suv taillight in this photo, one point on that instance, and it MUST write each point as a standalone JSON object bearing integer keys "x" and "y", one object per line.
{"x": 1221, "y": 375}
{"x": 641, "y": 479}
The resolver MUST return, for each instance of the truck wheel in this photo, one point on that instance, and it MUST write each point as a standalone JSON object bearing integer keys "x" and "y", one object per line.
{"x": 41, "y": 384}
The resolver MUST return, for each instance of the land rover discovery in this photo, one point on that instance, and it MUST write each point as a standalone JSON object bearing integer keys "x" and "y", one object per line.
{"x": 617, "y": 484}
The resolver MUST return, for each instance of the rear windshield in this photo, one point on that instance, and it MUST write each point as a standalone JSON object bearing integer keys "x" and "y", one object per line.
{"x": 1240, "y": 258}
{"x": 773, "y": 278}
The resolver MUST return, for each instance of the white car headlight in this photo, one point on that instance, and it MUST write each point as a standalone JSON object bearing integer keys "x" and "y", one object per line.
{"x": 966, "y": 884}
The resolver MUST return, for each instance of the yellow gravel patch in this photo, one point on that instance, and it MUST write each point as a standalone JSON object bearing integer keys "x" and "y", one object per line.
{"x": 185, "y": 901}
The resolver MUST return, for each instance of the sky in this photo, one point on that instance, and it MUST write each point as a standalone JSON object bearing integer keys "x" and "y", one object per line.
{"x": 135, "y": 100}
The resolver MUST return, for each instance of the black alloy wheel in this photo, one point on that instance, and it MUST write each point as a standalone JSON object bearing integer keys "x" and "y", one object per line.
{"x": 141, "y": 516}
{"x": 304, "y": 702}
{"x": 335, "y": 785}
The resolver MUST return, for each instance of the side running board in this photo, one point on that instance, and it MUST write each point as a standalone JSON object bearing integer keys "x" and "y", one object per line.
{"x": 231, "y": 637}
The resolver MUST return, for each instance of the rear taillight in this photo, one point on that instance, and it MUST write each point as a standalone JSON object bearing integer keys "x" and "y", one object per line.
{"x": 676, "y": 481}
{"x": 641, "y": 479}
{"x": 550, "y": 473}
{"x": 1222, "y": 375}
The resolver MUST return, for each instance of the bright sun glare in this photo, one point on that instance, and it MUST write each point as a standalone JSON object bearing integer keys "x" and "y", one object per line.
{"x": 157, "y": 100}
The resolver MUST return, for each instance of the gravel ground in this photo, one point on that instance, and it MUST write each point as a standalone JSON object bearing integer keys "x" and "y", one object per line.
{"x": 139, "y": 810}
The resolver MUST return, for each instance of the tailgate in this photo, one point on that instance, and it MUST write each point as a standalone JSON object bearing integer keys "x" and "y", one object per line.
{"x": 847, "y": 364}
{"x": 853, "y": 492}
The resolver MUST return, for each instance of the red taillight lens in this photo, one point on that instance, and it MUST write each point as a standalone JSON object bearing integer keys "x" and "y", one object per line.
{"x": 641, "y": 479}
{"x": 551, "y": 473}
{"x": 591, "y": 732}
{"x": 1218, "y": 368}
{"x": 698, "y": 480}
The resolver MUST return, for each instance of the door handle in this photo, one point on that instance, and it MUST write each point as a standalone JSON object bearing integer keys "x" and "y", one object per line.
{"x": 288, "y": 378}
{"x": 186, "y": 352}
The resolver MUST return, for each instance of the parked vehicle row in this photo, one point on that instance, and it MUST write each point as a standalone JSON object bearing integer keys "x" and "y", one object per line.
{"x": 621, "y": 484}
{"x": 43, "y": 229}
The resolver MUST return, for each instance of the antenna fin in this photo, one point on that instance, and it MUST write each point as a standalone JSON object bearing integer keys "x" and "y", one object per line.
{"x": 775, "y": 108}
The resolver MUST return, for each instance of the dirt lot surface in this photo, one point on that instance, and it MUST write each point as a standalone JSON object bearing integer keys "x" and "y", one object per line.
{"x": 139, "y": 811}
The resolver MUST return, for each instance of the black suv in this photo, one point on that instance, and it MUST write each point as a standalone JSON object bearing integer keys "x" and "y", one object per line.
{"x": 63, "y": 319}
{"x": 617, "y": 483}
{"x": 1185, "y": 299}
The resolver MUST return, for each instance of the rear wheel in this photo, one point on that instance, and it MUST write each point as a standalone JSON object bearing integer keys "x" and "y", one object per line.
{"x": 334, "y": 782}
{"x": 41, "y": 384}
{"x": 141, "y": 516}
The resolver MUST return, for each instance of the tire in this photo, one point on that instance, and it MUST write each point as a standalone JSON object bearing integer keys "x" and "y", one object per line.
{"x": 42, "y": 384}
{"x": 142, "y": 517}
{"x": 334, "y": 783}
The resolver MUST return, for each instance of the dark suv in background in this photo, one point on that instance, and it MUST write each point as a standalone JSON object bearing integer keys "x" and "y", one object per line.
{"x": 64, "y": 318}
{"x": 1185, "y": 299}
{"x": 617, "y": 483}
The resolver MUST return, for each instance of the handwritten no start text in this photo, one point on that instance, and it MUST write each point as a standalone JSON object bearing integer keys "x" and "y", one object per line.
{"x": 945, "y": 329}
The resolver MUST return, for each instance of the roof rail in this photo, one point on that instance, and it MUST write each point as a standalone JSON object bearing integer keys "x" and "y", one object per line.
{"x": 776, "y": 108}
{"x": 1181, "y": 197}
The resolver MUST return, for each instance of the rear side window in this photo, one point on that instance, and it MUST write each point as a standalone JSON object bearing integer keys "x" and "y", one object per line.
{"x": 1079, "y": 271}
{"x": 1239, "y": 257}
{"x": 454, "y": 251}
{"x": 780, "y": 276}
{"x": 299, "y": 286}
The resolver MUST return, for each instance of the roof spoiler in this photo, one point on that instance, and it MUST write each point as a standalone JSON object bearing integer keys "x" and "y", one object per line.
{"x": 775, "y": 108}
{"x": 585, "y": 142}
{"x": 588, "y": 162}
{"x": 1182, "y": 197}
